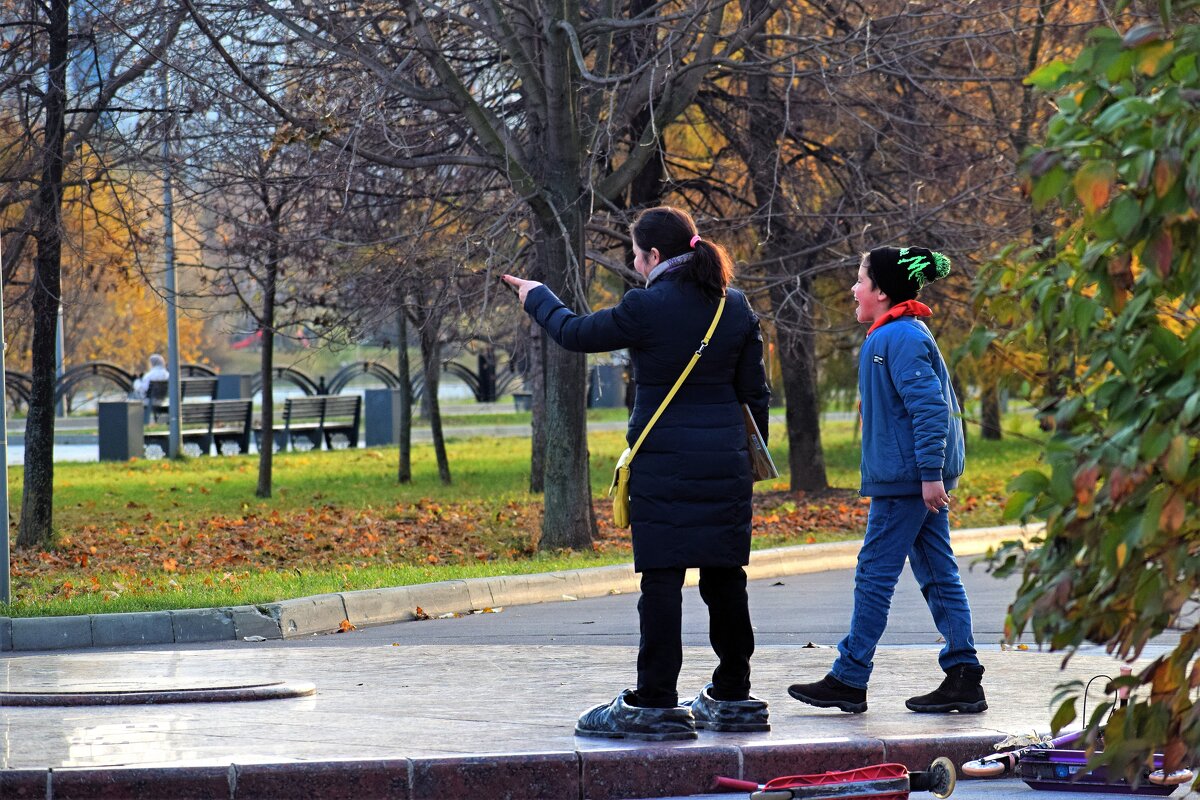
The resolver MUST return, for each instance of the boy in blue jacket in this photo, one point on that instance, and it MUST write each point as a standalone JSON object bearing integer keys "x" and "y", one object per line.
{"x": 912, "y": 456}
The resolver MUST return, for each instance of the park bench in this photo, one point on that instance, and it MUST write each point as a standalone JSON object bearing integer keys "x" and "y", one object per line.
{"x": 318, "y": 419}
{"x": 210, "y": 425}
{"x": 190, "y": 390}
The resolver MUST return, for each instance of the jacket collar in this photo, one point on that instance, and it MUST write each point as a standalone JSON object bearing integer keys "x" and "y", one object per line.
{"x": 909, "y": 308}
{"x": 670, "y": 265}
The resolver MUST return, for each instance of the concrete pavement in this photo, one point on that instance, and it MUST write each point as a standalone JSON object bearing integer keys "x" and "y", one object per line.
{"x": 392, "y": 720}
{"x": 466, "y": 722}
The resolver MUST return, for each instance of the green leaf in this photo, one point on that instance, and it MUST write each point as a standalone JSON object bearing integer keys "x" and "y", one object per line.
{"x": 1154, "y": 441}
{"x": 1083, "y": 314}
{"x": 1179, "y": 459}
{"x": 1048, "y": 76}
{"x": 1017, "y": 505}
{"x": 1154, "y": 507}
{"x": 1166, "y": 343}
{"x": 1121, "y": 360}
{"x": 1064, "y": 716}
{"x": 1062, "y": 484}
{"x": 1032, "y": 481}
{"x": 1191, "y": 409}
{"x": 1119, "y": 65}
{"x": 1129, "y": 110}
{"x": 1047, "y": 187}
{"x": 1184, "y": 387}
{"x": 1126, "y": 213}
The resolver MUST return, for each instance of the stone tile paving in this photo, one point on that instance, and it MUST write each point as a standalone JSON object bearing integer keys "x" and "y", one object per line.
{"x": 417, "y": 702}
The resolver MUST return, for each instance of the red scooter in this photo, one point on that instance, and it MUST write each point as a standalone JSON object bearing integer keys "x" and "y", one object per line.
{"x": 877, "y": 782}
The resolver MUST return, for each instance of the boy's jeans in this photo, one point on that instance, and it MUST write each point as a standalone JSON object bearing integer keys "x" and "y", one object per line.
{"x": 900, "y": 527}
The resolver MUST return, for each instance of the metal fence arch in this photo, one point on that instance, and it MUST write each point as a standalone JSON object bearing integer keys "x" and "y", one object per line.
{"x": 288, "y": 375}
{"x": 18, "y": 386}
{"x": 373, "y": 368}
{"x": 92, "y": 369}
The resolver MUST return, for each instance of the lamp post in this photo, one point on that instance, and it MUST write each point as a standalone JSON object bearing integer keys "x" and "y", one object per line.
{"x": 4, "y": 562}
{"x": 169, "y": 279}
{"x": 60, "y": 408}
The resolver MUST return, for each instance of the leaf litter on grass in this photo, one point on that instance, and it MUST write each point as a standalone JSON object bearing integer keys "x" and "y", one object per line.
{"x": 147, "y": 555}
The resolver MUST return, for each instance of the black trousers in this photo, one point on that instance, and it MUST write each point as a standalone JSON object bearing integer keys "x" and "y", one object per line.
{"x": 660, "y": 654}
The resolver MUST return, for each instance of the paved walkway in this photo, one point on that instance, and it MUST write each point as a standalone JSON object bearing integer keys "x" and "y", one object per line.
{"x": 466, "y": 722}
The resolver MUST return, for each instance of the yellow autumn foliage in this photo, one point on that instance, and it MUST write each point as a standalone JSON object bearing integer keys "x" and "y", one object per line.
{"x": 112, "y": 310}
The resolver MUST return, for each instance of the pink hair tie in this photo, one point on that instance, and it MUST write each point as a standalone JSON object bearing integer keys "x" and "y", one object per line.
{"x": 695, "y": 239}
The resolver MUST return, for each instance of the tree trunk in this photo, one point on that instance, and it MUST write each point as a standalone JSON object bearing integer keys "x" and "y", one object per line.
{"x": 36, "y": 527}
{"x": 431, "y": 358}
{"x": 791, "y": 298}
{"x": 266, "y": 453}
{"x": 404, "y": 470}
{"x": 569, "y": 520}
{"x": 989, "y": 413}
{"x": 957, "y": 386}
{"x": 537, "y": 395}
{"x": 797, "y": 366}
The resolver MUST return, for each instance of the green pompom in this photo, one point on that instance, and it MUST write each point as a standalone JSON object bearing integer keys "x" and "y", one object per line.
{"x": 941, "y": 264}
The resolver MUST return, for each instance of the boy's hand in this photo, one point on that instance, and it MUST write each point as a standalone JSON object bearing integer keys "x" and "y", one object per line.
{"x": 934, "y": 495}
{"x": 522, "y": 287}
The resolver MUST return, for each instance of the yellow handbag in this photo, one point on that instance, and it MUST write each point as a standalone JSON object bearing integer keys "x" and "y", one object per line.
{"x": 619, "y": 491}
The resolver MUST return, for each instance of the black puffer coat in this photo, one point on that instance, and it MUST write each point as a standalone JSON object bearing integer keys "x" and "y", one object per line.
{"x": 690, "y": 483}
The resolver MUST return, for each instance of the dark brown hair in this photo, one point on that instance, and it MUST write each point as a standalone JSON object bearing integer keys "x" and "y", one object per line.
{"x": 670, "y": 230}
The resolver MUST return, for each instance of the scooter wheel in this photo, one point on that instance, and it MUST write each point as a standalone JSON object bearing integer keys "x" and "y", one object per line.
{"x": 942, "y": 777}
{"x": 980, "y": 768}
{"x": 1160, "y": 778}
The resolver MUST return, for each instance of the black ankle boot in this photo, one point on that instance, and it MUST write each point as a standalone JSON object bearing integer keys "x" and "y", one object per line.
{"x": 960, "y": 691}
{"x": 829, "y": 692}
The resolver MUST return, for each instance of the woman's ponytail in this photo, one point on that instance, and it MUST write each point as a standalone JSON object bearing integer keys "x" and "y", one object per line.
{"x": 711, "y": 267}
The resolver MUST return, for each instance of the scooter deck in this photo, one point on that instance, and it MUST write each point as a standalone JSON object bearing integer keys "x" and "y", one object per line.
{"x": 877, "y": 782}
{"x": 1066, "y": 771}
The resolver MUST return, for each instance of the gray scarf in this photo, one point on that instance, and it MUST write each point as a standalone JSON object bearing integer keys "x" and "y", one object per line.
{"x": 670, "y": 265}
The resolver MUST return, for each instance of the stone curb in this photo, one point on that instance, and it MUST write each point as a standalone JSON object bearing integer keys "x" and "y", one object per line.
{"x": 601, "y": 774}
{"x": 325, "y": 613}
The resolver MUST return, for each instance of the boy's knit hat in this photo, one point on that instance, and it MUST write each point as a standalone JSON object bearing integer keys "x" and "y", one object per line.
{"x": 901, "y": 272}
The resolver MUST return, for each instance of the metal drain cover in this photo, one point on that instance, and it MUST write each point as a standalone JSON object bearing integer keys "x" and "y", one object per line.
{"x": 132, "y": 697}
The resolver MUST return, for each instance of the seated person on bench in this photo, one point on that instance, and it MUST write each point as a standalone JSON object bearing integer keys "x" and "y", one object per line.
{"x": 157, "y": 372}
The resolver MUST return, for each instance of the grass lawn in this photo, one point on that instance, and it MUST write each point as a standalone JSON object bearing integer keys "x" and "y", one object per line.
{"x": 159, "y": 534}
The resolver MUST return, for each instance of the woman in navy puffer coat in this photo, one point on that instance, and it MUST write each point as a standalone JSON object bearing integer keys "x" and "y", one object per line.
{"x": 690, "y": 482}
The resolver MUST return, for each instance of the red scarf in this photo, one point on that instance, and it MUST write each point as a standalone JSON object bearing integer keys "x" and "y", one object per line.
{"x": 909, "y": 308}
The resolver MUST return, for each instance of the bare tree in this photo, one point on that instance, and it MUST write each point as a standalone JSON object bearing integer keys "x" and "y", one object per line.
{"x": 844, "y": 130}
{"x": 528, "y": 91}
{"x": 51, "y": 130}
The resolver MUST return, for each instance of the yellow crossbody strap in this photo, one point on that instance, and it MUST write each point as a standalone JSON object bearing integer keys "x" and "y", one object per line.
{"x": 662, "y": 406}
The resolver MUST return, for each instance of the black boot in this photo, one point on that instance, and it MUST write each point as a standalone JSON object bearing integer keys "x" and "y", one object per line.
{"x": 829, "y": 692}
{"x": 960, "y": 691}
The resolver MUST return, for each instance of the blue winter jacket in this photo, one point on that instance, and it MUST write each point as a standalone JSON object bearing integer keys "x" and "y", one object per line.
{"x": 911, "y": 428}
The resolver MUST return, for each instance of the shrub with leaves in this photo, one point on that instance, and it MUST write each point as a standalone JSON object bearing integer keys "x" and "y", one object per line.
{"x": 1113, "y": 301}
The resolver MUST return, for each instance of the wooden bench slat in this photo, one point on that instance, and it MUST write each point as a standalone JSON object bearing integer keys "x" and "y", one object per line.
{"x": 317, "y": 419}
{"x": 210, "y": 423}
